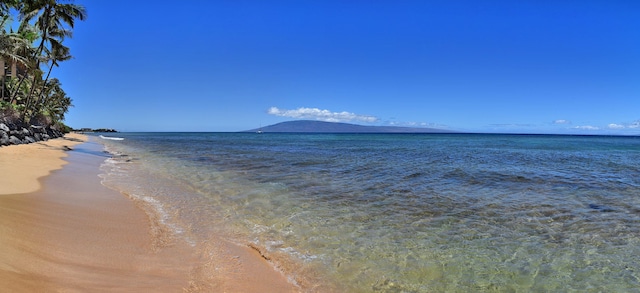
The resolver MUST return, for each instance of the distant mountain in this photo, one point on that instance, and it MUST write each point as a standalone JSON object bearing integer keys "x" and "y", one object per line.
{"x": 309, "y": 126}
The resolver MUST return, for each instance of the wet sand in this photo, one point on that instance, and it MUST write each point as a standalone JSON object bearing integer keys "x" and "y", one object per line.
{"x": 66, "y": 232}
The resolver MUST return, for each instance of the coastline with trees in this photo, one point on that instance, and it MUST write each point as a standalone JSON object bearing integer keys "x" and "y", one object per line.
{"x": 33, "y": 104}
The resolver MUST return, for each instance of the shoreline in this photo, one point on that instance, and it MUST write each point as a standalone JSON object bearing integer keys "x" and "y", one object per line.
{"x": 23, "y": 165}
{"x": 68, "y": 232}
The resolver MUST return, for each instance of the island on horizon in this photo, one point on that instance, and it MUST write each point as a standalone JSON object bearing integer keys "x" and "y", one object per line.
{"x": 312, "y": 126}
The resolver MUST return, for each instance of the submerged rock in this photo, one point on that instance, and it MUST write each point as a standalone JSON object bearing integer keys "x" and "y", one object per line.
{"x": 601, "y": 208}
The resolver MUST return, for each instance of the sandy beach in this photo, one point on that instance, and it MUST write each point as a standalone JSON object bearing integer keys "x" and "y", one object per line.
{"x": 63, "y": 231}
{"x": 21, "y": 166}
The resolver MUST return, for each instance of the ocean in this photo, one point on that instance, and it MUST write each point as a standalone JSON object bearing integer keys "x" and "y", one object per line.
{"x": 400, "y": 212}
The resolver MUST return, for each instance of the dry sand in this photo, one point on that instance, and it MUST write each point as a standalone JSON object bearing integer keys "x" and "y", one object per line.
{"x": 22, "y": 165}
{"x": 68, "y": 233}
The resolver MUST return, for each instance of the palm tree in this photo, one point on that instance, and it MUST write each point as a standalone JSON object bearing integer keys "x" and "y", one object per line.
{"x": 54, "y": 22}
{"x": 5, "y": 5}
{"x": 57, "y": 102}
{"x": 23, "y": 49}
{"x": 24, "y": 67}
{"x": 58, "y": 53}
{"x": 39, "y": 40}
{"x": 11, "y": 44}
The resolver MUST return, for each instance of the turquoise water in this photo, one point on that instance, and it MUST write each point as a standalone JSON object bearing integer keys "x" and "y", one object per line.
{"x": 401, "y": 212}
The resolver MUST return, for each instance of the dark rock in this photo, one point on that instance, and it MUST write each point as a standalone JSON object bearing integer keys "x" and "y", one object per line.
{"x": 14, "y": 133}
{"x": 20, "y": 133}
{"x": 14, "y": 140}
{"x": 38, "y": 129}
{"x": 11, "y": 126}
{"x": 4, "y": 138}
{"x": 29, "y": 139}
{"x": 54, "y": 133}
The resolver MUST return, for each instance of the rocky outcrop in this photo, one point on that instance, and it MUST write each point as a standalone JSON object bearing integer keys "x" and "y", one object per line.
{"x": 15, "y": 134}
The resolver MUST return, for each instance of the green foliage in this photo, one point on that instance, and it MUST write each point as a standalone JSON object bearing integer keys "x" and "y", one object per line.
{"x": 33, "y": 51}
{"x": 63, "y": 127}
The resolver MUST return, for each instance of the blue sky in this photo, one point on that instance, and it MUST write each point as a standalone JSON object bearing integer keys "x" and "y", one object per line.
{"x": 543, "y": 66}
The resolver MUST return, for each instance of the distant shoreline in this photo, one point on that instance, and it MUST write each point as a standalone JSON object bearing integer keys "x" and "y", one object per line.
{"x": 312, "y": 126}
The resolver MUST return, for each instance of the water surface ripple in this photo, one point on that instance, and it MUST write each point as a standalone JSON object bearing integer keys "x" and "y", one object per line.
{"x": 400, "y": 212}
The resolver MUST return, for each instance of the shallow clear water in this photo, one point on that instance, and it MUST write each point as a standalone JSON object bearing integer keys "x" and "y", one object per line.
{"x": 401, "y": 212}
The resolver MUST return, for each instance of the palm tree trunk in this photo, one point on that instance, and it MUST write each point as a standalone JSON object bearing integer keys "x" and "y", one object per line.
{"x": 44, "y": 84}
{"x": 3, "y": 80}
{"x": 15, "y": 92}
{"x": 33, "y": 85}
{"x": 37, "y": 53}
{"x": 30, "y": 101}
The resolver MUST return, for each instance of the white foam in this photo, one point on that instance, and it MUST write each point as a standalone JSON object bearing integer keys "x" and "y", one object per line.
{"x": 117, "y": 175}
{"x": 111, "y": 137}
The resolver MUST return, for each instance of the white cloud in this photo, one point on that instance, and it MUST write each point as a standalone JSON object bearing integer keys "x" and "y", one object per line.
{"x": 322, "y": 115}
{"x": 415, "y": 124}
{"x": 512, "y": 125}
{"x": 587, "y": 127}
{"x": 561, "y": 121}
{"x": 632, "y": 125}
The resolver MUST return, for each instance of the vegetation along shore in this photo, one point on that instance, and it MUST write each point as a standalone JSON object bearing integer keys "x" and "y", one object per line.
{"x": 32, "y": 43}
